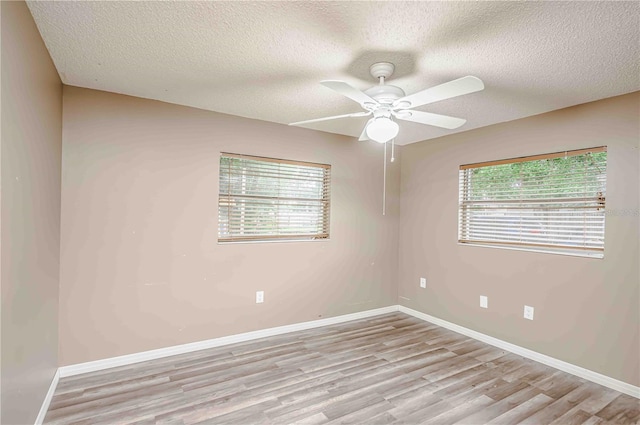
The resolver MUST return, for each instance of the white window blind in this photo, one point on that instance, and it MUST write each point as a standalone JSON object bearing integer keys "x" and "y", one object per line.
{"x": 265, "y": 199}
{"x": 552, "y": 202}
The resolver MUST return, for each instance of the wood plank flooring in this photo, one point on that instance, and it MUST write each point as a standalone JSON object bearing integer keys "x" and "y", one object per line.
{"x": 391, "y": 369}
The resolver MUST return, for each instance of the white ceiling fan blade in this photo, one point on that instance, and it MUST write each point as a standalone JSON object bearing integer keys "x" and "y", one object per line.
{"x": 428, "y": 118}
{"x": 349, "y": 91}
{"x": 355, "y": 114}
{"x": 363, "y": 135}
{"x": 464, "y": 85}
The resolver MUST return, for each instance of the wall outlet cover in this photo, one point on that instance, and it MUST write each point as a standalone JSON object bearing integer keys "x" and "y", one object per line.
{"x": 423, "y": 282}
{"x": 259, "y": 297}
{"x": 484, "y": 301}
{"x": 528, "y": 312}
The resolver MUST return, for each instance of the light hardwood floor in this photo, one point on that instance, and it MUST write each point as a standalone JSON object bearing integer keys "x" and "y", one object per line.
{"x": 382, "y": 370}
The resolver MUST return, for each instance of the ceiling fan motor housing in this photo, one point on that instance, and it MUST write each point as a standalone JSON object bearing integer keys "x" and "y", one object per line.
{"x": 385, "y": 94}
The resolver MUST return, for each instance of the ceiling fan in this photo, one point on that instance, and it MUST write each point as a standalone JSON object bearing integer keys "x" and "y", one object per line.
{"x": 386, "y": 103}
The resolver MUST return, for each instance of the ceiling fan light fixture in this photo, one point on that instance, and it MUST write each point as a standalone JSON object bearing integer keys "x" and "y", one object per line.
{"x": 382, "y": 129}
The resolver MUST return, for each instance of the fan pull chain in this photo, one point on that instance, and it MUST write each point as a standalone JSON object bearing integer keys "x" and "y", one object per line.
{"x": 393, "y": 144}
{"x": 384, "y": 183}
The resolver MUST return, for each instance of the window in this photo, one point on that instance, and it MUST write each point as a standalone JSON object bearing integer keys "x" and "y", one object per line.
{"x": 264, "y": 199}
{"x": 553, "y": 202}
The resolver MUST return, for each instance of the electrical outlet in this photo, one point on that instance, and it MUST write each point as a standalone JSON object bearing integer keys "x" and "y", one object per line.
{"x": 423, "y": 282}
{"x": 484, "y": 301}
{"x": 259, "y": 297}
{"x": 528, "y": 312}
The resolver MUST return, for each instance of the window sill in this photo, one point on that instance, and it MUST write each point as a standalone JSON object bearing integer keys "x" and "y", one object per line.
{"x": 593, "y": 255}
{"x": 274, "y": 241}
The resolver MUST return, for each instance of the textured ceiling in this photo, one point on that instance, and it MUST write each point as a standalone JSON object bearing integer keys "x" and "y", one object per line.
{"x": 264, "y": 60}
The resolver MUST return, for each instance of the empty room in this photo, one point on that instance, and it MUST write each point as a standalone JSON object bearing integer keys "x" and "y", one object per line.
{"x": 238, "y": 212}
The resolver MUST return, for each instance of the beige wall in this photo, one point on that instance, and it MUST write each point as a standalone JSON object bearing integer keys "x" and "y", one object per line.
{"x": 31, "y": 156}
{"x": 586, "y": 310}
{"x": 140, "y": 264}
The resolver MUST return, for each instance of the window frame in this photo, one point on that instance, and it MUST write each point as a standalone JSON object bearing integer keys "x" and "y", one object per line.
{"x": 324, "y": 202}
{"x": 595, "y": 203}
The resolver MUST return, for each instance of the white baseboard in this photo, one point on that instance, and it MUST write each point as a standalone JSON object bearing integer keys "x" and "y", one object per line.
{"x": 587, "y": 374}
{"x": 47, "y": 398}
{"x": 128, "y": 359}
